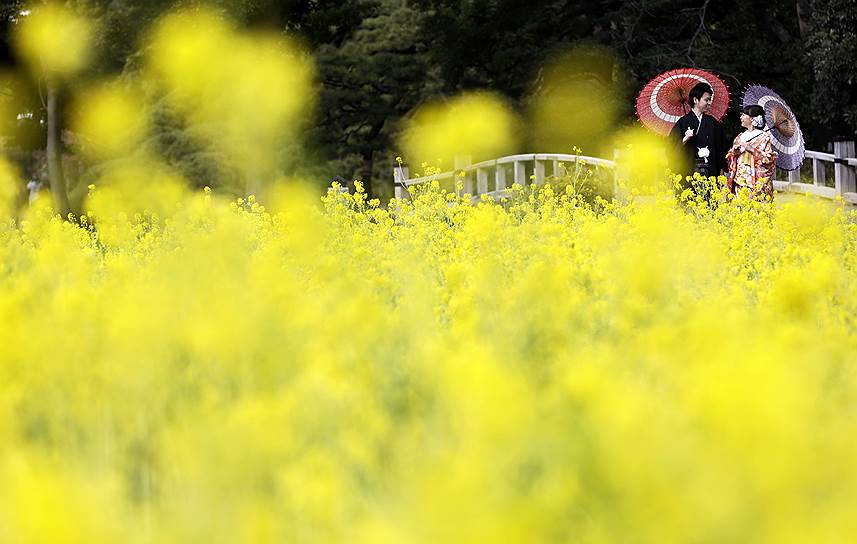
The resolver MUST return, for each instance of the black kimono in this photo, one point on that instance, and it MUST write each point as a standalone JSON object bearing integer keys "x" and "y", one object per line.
{"x": 709, "y": 135}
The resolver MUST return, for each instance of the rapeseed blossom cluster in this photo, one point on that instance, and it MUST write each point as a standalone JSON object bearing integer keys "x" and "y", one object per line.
{"x": 476, "y": 124}
{"x": 538, "y": 369}
{"x": 576, "y": 98}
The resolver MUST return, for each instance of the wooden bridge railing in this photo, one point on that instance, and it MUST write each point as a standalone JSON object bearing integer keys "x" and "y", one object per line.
{"x": 844, "y": 166}
{"x": 495, "y": 176}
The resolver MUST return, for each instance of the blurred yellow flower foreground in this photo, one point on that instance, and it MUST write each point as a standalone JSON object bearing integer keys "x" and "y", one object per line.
{"x": 540, "y": 370}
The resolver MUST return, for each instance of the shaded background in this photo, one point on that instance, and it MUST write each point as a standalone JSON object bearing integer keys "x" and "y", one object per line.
{"x": 379, "y": 59}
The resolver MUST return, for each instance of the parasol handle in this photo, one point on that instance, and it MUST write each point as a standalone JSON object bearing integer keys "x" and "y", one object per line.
{"x": 684, "y": 105}
{"x": 767, "y": 130}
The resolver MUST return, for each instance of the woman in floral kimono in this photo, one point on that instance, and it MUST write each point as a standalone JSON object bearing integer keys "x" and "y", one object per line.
{"x": 752, "y": 159}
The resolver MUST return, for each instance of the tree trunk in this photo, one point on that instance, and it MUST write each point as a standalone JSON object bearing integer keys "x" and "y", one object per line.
{"x": 253, "y": 184}
{"x": 369, "y": 158}
{"x": 803, "y": 10}
{"x": 54, "y": 154}
{"x": 367, "y": 181}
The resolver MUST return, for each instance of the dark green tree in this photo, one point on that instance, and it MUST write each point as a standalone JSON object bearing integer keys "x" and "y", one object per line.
{"x": 831, "y": 51}
{"x": 370, "y": 80}
{"x": 502, "y": 44}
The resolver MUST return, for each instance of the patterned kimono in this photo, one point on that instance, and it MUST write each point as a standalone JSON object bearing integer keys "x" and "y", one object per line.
{"x": 752, "y": 164}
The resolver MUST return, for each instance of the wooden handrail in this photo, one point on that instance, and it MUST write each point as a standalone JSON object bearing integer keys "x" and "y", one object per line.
{"x": 511, "y": 159}
{"x": 843, "y": 160}
{"x": 818, "y": 155}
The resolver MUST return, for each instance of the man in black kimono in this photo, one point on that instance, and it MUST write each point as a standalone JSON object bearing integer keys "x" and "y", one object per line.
{"x": 700, "y": 135}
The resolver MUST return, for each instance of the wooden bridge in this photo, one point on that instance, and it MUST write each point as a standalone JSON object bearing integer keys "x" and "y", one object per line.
{"x": 494, "y": 177}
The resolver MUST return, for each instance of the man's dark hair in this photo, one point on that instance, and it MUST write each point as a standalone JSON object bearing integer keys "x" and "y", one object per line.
{"x": 698, "y": 90}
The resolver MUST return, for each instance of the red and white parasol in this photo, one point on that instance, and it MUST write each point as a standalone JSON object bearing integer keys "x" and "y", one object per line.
{"x": 664, "y": 99}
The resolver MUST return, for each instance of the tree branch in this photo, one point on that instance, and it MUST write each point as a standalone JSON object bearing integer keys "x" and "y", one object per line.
{"x": 699, "y": 30}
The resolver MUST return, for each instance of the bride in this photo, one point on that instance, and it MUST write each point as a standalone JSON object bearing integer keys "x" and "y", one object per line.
{"x": 752, "y": 159}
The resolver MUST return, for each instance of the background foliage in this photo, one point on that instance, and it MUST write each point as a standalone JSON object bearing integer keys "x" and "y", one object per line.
{"x": 379, "y": 59}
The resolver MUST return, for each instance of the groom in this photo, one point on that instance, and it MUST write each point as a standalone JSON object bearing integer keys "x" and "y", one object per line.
{"x": 701, "y": 135}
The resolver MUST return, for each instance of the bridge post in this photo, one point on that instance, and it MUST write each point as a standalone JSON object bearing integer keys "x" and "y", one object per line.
{"x": 462, "y": 162}
{"x": 539, "y": 171}
{"x": 521, "y": 173}
{"x": 400, "y": 174}
{"x": 819, "y": 174}
{"x": 481, "y": 181}
{"x": 794, "y": 176}
{"x": 845, "y": 180}
{"x": 500, "y": 177}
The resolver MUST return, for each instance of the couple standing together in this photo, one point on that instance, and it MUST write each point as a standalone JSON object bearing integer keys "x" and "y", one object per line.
{"x": 751, "y": 160}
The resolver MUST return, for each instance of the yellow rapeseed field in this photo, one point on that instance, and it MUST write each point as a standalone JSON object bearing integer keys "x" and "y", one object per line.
{"x": 536, "y": 370}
